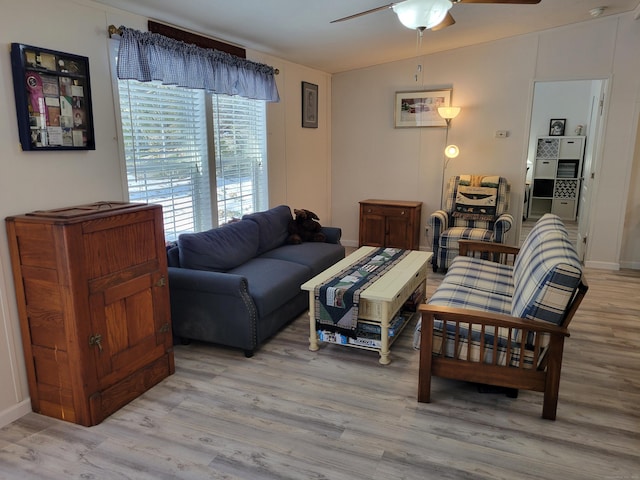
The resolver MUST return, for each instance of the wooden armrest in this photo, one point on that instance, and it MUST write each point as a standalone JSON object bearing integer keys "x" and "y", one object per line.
{"x": 468, "y": 246}
{"x": 479, "y": 317}
{"x": 496, "y": 252}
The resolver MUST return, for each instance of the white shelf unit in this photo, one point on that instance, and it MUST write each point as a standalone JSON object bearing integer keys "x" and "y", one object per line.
{"x": 556, "y": 177}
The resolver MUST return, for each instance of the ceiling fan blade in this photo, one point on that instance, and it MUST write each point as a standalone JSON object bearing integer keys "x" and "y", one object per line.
{"x": 447, "y": 22}
{"x": 366, "y": 12}
{"x": 513, "y": 2}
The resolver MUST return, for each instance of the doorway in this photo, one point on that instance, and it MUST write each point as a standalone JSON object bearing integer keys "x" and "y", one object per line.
{"x": 580, "y": 103}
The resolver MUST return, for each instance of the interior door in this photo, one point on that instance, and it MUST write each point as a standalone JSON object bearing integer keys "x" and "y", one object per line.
{"x": 588, "y": 167}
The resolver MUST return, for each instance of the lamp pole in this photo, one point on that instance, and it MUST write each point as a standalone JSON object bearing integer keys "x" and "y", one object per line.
{"x": 445, "y": 161}
{"x": 447, "y": 113}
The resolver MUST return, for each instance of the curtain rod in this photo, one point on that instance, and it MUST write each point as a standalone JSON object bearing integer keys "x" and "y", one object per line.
{"x": 113, "y": 30}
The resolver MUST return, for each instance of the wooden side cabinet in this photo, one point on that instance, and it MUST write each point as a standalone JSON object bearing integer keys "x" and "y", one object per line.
{"x": 390, "y": 223}
{"x": 93, "y": 299}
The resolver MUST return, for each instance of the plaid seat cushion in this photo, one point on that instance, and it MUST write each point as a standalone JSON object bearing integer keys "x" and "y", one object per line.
{"x": 449, "y": 238}
{"x": 481, "y": 275}
{"x": 469, "y": 346}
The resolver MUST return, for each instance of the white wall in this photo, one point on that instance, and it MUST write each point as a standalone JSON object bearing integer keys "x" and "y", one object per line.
{"x": 493, "y": 83}
{"x": 299, "y": 170}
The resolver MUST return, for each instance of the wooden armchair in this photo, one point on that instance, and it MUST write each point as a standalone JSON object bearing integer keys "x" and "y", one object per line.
{"x": 488, "y": 346}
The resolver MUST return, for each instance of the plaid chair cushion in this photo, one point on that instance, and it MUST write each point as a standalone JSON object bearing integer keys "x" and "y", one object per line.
{"x": 449, "y": 238}
{"x": 469, "y": 348}
{"x": 481, "y": 275}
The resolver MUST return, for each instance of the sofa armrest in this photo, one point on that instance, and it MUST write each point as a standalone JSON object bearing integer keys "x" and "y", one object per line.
{"x": 501, "y": 226}
{"x": 333, "y": 234}
{"x": 439, "y": 220}
{"x": 529, "y": 361}
{"x": 213, "y": 307}
{"x": 206, "y": 281}
{"x": 498, "y": 252}
{"x": 493, "y": 319}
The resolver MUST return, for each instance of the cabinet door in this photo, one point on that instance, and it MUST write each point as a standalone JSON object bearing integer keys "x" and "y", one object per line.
{"x": 128, "y": 332}
{"x": 372, "y": 230}
{"x": 399, "y": 232}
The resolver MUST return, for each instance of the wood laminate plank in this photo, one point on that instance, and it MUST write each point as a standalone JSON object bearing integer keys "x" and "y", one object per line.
{"x": 296, "y": 414}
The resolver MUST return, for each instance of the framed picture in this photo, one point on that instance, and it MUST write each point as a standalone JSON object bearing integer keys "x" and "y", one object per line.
{"x": 556, "y": 127}
{"x": 309, "y": 105}
{"x": 420, "y": 109}
{"x": 53, "y": 99}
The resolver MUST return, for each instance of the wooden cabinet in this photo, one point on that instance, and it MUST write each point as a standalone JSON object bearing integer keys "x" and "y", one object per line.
{"x": 390, "y": 223}
{"x": 557, "y": 177}
{"x": 93, "y": 299}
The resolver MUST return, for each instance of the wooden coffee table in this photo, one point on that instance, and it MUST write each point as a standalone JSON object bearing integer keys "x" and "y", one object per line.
{"x": 381, "y": 301}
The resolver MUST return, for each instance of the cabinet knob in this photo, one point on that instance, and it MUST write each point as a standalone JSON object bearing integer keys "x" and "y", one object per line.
{"x": 368, "y": 210}
{"x": 402, "y": 213}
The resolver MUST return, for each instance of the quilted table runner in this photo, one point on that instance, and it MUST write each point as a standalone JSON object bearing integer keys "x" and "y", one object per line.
{"x": 337, "y": 299}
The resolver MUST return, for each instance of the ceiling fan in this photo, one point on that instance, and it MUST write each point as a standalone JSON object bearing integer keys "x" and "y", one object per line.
{"x": 427, "y": 14}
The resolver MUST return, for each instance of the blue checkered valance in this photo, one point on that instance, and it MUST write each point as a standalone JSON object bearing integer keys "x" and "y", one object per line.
{"x": 147, "y": 56}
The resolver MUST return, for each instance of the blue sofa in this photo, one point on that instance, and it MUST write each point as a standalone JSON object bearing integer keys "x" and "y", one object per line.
{"x": 239, "y": 284}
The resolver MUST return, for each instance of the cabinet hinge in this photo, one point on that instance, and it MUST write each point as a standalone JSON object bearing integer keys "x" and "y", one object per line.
{"x": 161, "y": 283}
{"x": 164, "y": 328}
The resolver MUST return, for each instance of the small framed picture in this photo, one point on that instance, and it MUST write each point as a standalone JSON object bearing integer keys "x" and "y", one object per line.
{"x": 556, "y": 127}
{"x": 309, "y": 105}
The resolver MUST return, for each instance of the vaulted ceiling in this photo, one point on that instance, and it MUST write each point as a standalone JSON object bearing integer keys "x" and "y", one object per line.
{"x": 301, "y": 32}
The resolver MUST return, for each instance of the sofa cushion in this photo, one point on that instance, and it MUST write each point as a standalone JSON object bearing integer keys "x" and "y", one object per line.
{"x": 273, "y": 227}
{"x": 219, "y": 249}
{"x": 546, "y": 272}
{"x": 451, "y": 295}
{"x": 272, "y": 282}
{"x": 482, "y": 275}
{"x": 318, "y": 256}
{"x": 449, "y": 238}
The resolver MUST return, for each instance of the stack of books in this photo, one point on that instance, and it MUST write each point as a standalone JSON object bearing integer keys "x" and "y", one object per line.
{"x": 368, "y": 334}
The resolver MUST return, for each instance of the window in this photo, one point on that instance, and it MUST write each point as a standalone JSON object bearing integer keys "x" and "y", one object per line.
{"x": 240, "y": 150}
{"x": 173, "y": 137}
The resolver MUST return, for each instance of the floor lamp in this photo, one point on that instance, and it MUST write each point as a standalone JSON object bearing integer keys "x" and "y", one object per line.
{"x": 450, "y": 151}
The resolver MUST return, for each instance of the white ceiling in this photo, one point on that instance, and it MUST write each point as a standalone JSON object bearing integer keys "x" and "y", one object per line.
{"x": 299, "y": 31}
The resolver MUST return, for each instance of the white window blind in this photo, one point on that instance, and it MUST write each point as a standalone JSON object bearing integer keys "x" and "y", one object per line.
{"x": 171, "y": 136}
{"x": 239, "y": 126}
{"x": 165, "y": 142}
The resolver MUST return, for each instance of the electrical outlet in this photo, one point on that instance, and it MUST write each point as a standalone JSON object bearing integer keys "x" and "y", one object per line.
{"x": 502, "y": 133}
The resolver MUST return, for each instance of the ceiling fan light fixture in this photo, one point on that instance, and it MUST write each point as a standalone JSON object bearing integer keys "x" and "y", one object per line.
{"x": 422, "y": 14}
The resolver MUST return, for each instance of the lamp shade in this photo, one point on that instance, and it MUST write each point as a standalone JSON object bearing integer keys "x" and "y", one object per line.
{"x": 448, "y": 112}
{"x": 421, "y": 14}
{"x": 452, "y": 151}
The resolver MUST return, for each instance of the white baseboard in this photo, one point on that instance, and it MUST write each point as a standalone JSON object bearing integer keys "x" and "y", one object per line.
{"x": 14, "y": 412}
{"x": 602, "y": 265}
{"x": 631, "y": 265}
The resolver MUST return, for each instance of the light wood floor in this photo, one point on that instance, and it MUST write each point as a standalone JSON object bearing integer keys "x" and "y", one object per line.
{"x": 337, "y": 414}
